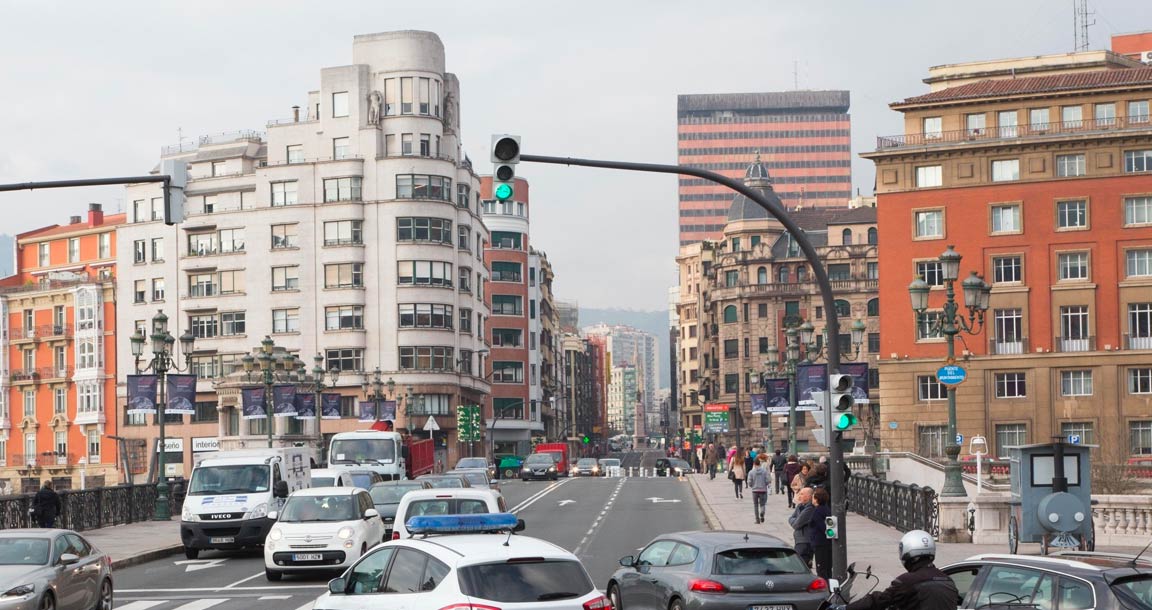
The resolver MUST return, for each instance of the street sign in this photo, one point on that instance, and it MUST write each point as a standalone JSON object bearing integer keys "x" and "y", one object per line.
{"x": 959, "y": 439}
{"x": 431, "y": 425}
{"x": 1074, "y": 439}
{"x": 951, "y": 374}
{"x": 716, "y": 418}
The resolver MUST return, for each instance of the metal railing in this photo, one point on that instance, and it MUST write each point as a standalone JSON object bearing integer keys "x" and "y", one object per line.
{"x": 91, "y": 508}
{"x": 248, "y": 135}
{"x": 1131, "y": 342}
{"x": 1065, "y": 345}
{"x": 1005, "y": 347}
{"x": 904, "y": 507}
{"x": 1015, "y": 132}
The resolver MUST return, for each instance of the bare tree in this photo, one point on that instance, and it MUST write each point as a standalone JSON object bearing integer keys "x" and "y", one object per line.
{"x": 1111, "y": 473}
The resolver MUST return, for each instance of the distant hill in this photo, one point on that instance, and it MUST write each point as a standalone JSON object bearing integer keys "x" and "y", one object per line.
{"x": 7, "y": 255}
{"x": 655, "y": 322}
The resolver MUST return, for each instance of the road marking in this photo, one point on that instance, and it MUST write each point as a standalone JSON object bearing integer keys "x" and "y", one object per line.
{"x": 535, "y": 498}
{"x": 200, "y": 564}
{"x": 663, "y": 501}
{"x": 532, "y": 497}
{"x": 141, "y": 605}
{"x": 264, "y": 597}
{"x": 566, "y": 502}
{"x": 201, "y": 604}
{"x": 256, "y": 575}
{"x": 595, "y": 524}
{"x": 200, "y": 589}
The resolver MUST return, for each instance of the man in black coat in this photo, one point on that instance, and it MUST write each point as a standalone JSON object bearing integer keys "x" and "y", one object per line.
{"x": 778, "y": 462}
{"x": 922, "y": 587}
{"x": 46, "y": 505}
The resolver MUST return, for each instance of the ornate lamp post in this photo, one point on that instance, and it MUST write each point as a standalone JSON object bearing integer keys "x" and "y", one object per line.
{"x": 374, "y": 389}
{"x": 163, "y": 360}
{"x": 950, "y": 324}
{"x": 319, "y": 381}
{"x": 268, "y": 368}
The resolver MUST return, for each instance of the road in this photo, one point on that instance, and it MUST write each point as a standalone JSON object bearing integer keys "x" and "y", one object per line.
{"x": 600, "y": 519}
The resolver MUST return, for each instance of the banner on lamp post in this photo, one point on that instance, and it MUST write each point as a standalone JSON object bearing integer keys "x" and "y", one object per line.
{"x": 859, "y": 373}
{"x": 330, "y": 406}
{"x": 305, "y": 405}
{"x": 252, "y": 403}
{"x": 810, "y": 378}
{"x": 284, "y": 400}
{"x": 141, "y": 394}
{"x": 367, "y": 411}
{"x": 181, "y": 399}
{"x": 759, "y": 404}
{"x": 776, "y": 395}
{"x": 388, "y": 410}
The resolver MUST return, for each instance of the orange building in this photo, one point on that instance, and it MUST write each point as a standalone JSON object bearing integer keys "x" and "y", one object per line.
{"x": 58, "y": 357}
{"x": 1039, "y": 171}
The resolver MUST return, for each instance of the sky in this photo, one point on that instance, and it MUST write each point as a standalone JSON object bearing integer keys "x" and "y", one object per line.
{"x": 94, "y": 89}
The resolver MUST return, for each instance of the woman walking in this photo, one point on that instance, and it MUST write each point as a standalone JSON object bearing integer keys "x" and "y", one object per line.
{"x": 736, "y": 471}
{"x": 821, "y": 544}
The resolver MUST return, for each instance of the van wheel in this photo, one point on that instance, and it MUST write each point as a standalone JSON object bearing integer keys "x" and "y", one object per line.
{"x": 273, "y": 575}
{"x": 191, "y": 553}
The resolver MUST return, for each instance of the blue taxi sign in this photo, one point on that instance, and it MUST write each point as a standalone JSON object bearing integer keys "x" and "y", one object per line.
{"x": 461, "y": 524}
{"x": 951, "y": 374}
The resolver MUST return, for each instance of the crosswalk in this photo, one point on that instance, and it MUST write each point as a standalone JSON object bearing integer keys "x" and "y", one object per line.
{"x": 277, "y": 601}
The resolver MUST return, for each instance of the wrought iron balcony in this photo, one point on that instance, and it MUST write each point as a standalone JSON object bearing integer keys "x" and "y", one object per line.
{"x": 1032, "y": 131}
{"x": 1081, "y": 344}
{"x": 1007, "y": 347}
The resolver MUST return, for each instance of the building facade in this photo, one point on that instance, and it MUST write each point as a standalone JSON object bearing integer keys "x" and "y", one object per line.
{"x": 352, "y": 230}
{"x": 58, "y": 357}
{"x": 1039, "y": 170}
{"x": 625, "y": 345}
{"x": 623, "y": 403}
{"x": 804, "y": 135}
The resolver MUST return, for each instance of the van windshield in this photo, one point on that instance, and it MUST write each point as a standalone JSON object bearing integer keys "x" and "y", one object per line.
{"x": 238, "y": 479}
{"x": 362, "y": 451}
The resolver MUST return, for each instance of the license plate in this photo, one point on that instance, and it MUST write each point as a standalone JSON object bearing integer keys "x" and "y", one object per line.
{"x": 222, "y": 540}
{"x": 773, "y": 607}
{"x": 307, "y": 557}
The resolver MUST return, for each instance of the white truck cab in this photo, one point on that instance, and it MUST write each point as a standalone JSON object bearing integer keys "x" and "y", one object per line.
{"x": 231, "y": 493}
{"x": 375, "y": 450}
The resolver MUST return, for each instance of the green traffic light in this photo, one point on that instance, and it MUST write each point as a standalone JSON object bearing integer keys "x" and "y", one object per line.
{"x": 586, "y": 440}
{"x": 503, "y": 191}
{"x": 845, "y": 421}
{"x": 830, "y": 533}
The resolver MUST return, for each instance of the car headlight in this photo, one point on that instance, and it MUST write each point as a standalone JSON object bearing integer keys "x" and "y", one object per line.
{"x": 679, "y": 470}
{"x": 20, "y": 591}
{"x": 345, "y": 533}
{"x": 551, "y": 469}
{"x": 275, "y": 534}
{"x": 258, "y": 512}
{"x": 188, "y": 515}
{"x": 525, "y": 469}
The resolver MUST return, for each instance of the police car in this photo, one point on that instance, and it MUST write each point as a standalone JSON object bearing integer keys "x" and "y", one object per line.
{"x": 465, "y": 562}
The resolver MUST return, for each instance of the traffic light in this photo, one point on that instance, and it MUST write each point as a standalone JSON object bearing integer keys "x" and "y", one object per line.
{"x": 842, "y": 402}
{"x": 174, "y": 194}
{"x": 505, "y": 156}
{"x": 585, "y": 439}
{"x": 831, "y": 528}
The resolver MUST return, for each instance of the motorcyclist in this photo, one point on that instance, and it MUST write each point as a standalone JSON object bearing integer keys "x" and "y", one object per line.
{"x": 922, "y": 587}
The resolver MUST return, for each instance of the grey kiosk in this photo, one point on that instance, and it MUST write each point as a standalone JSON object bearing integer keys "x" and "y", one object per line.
{"x": 1051, "y": 497}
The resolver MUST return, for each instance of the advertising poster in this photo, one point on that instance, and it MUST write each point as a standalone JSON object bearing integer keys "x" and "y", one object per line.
{"x": 388, "y": 410}
{"x": 305, "y": 405}
{"x": 330, "y": 406}
{"x": 776, "y": 395}
{"x": 759, "y": 404}
{"x": 181, "y": 397}
{"x": 284, "y": 400}
{"x": 859, "y": 373}
{"x": 810, "y": 378}
{"x": 252, "y": 403}
{"x": 367, "y": 411}
{"x": 141, "y": 394}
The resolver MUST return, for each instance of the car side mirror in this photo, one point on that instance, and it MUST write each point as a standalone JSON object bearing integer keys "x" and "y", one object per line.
{"x": 280, "y": 489}
{"x": 272, "y": 515}
{"x": 337, "y": 586}
{"x": 628, "y": 561}
{"x": 371, "y": 512}
{"x": 68, "y": 559}
{"x": 494, "y": 485}
{"x": 520, "y": 525}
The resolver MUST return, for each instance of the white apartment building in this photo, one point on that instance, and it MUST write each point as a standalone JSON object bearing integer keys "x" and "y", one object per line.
{"x": 631, "y": 346}
{"x": 351, "y": 230}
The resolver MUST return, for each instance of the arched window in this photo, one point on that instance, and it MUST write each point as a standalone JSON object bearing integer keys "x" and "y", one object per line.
{"x": 872, "y": 236}
{"x": 874, "y": 307}
{"x": 801, "y": 273}
{"x": 762, "y": 275}
{"x": 843, "y": 308}
{"x": 730, "y": 314}
{"x": 846, "y": 237}
{"x": 782, "y": 275}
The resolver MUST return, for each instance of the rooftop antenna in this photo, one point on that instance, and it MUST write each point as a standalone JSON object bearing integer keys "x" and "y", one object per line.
{"x": 1081, "y": 16}
{"x": 795, "y": 75}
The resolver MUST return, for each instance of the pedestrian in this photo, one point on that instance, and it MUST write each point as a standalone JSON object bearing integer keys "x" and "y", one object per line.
{"x": 710, "y": 460}
{"x": 721, "y": 456}
{"x": 818, "y": 477}
{"x": 801, "y": 522}
{"x": 791, "y": 469}
{"x": 801, "y": 477}
{"x": 821, "y": 544}
{"x": 736, "y": 471}
{"x": 758, "y": 480}
{"x": 778, "y": 462}
{"x": 749, "y": 461}
{"x": 46, "y": 505}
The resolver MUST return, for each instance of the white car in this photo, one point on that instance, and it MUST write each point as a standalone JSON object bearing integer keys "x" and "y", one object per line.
{"x": 448, "y": 566}
{"x": 321, "y": 528}
{"x": 438, "y": 502}
{"x": 331, "y": 477}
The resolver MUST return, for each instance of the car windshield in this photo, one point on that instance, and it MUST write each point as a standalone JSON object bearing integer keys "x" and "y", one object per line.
{"x": 363, "y": 451}
{"x": 525, "y": 582}
{"x": 24, "y": 551}
{"x": 540, "y": 459}
{"x": 586, "y": 462}
{"x": 445, "y": 482}
{"x": 477, "y": 479}
{"x": 323, "y": 481}
{"x": 471, "y": 463}
{"x": 609, "y": 462}
{"x": 306, "y": 509}
{"x": 390, "y": 494}
{"x": 679, "y": 463}
{"x": 1135, "y": 592}
{"x": 362, "y": 479}
{"x": 238, "y": 479}
{"x": 749, "y": 561}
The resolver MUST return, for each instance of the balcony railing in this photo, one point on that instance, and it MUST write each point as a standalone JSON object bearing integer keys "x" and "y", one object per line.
{"x": 1007, "y": 347}
{"x": 1083, "y": 344}
{"x": 505, "y": 276}
{"x": 1131, "y": 342}
{"x": 245, "y": 135}
{"x": 19, "y": 375}
{"x": 1015, "y": 132}
{"x": 82, "y": 278}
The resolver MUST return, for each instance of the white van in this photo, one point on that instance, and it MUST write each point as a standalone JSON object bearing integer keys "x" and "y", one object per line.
{"x": 331, "y": 477}
{"x": 375, "y": 450}
{"x": 230, "y": 494}
{"x": 448, "y": 501}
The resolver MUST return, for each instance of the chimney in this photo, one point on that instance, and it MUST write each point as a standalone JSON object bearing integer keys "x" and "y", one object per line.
{"x": 295, "y": 114}
{"x": 95, "y": 214}
{"x": 75, "y": 220}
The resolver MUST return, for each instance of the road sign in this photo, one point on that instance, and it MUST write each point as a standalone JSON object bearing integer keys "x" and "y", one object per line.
{"x": 1074, "y": 439}
{"x": 959, "y": 439}
{"x": 951, "y": 374}
{"x": 716, "y": 419}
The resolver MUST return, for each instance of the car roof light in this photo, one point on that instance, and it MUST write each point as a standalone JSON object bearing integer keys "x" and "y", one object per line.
{"x": 461, "y": 524}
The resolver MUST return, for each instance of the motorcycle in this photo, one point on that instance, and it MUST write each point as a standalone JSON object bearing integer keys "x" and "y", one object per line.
{"x": 841, "y": 593}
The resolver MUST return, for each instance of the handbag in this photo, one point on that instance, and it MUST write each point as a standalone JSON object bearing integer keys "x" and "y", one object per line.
{"x": 731, "y": 475}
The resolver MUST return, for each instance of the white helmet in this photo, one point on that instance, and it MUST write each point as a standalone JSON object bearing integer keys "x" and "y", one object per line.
{"x": 916, "y": 544}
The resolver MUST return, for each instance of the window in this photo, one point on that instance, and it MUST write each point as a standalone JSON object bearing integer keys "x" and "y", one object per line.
{"x": 1007, "y": 122}
{"x": 1006, "y": 218}
{"x": 158, "y": 289}
{"x": 1137, "y": 210}
{"x": 730, "y": 315}
{"x": 872, "y": 270}
{"x": 838, "y": 271}
{"x": 1138, "y": 160}
{"x": 732, "y": 278}
{"x": 873, "y": 343}
{"x": 342, "y": 189}
{"x": 340, "y": 104}
{"x": 465, "y": 279}
{"x": 1072, "y": 116}
{"x": 420, "y": 186}
{"x": 929, "y": 176}
{"x": 507, "y": 305}
{"x": 735, "y": 244}
{"x": 873, "y": 307}
{"x": 105, "y": 246}
{"x": 285, "y": 278}
{"x": 424, "y": 273}
{"x": 344, "y": 275}
{"x": 140, "y": 292}
{"x": 157, "y": 208}
{"x": 426, "y": 315}
{"x": 1074, "y": 332}
{"x": 762, "y": 275}
{"x": 283, "y": 193}
{"x": 507, "y": 337}
{"x": 157, "y": 249}
{"x": 232, "y": 282}
{"x": 1010, "y": 385}
{"x": 351, "y": 360}
{"x": 344, "y": 232}
{"x": 45, "y": 255}
{"x": 464, "y": 237}
{"x": 347, "y": 317}
{"x": 1139, "y": 262}
{"x": 1140, "y": 435}
{"x": 1105, "y": 114}
{"x": 507, "y": 372}
{"x": 1140, "y": 326}
{"x": 731, "y": 348}
{"x": 465, "y": 320}
{"x": 507, "y": 240}
{"x": 1140, "y": 380}
{"x": 931, "y": 271}
{"x": 843, "y": 309}
{"x": 846, "y": 237}
{"x": 284, "y": 236}
{"x": 285, "y": 320}
{"x": 1068, "y": 166}
{"x": 209, "y": 204}
{"x": 975, "y": 123}
{"x": 1072, "y": 265}
{"x": 930, "y": 440}
{"x": 1038, "y": 118}
{"x": 1006, "y": 269}
{"x": 204, "y": 327}
{"x": 929, "y": 224}
{"x": 199, "y": 285}
{"x": 341, "y": 148}
{"x": 93, "y": 446}
{"x": 232, "y": 323}
{"x": 73, "y": 249}
{"x": 425, "y": 145}
{"x": 933, "y": 127}
{"x": 201, "y": 244}
{"x": 930, "y": 388}
{"x": 1138, "y": 111}
{"x": 434, "y": 358}
{"x": 505, "y": 271}
{"x": 1008, "y": 329}
{"x": 406, "y": 144}
{"x": 232, "y": 240}
{"x": 928, "y": 326}
{"x": 1072, "y": 214}
{"x": 1076, "y": 383}
{"x": 1005, "y": 170}
{"x": 60, "y": 401}
{"x": 295, "y": 153}
{"x": 1083, "y": 429}
{"x": 205, "y": 412}
{"x": 762, "y": 310}
{"x": 463, "y": 195}
{"x": 1009, "y": 435}
{"x": 139, "y": 251}
{"x": 436, "y": 230}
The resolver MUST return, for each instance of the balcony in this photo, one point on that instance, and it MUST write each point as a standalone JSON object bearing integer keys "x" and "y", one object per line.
{"x": 1030, "y": 132}
{"x": 89, "y": 417}
{"x": 246, "y": 135}
{"x": 51, "y": 331}
{"x": 506, "y": 276}
{"x": 1131, "y": 342}
{"x": 1007, "y": 347}
{"x": 1081, "y": 344}
{"x": 25, "y": 375}
{"x": 840, "y": 286}
{"x": 25, "y": 460}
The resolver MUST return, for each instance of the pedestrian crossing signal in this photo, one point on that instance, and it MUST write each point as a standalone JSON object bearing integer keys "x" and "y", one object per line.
{"x": 831, "y": 528}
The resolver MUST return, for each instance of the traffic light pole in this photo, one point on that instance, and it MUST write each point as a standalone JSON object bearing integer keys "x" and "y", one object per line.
{"x": 775, "y": 208}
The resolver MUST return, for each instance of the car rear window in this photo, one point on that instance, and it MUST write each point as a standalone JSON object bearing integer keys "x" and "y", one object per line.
{"x": 750, "y": 561}
{"x": 390, "y": 494}
{"x": 1134, "y": 592}
{"x": 525, "y": 581}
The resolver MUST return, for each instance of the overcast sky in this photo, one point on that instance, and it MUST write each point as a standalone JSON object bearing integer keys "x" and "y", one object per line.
{"x": 93, "y": 89}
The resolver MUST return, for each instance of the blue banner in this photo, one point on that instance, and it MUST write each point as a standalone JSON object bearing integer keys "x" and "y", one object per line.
{"x": 388, "y": 410}
{"x": 252, "y": 401}
{"x": 305, "y": 405}
{"x": 810, "y": 378}
{"x": 330, "y": 406}
{"x": 181, "y": 397}
{"x": 284, "y": 400}
{"x": 367, "y": 411}
{"x": 776, "y": 395}
{"x": 859, "y": 373}
{"x": 759, "y": 406}
{"x": 141, "y": 394}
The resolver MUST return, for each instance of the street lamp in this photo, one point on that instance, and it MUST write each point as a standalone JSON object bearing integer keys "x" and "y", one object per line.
{"x": 319, "y": 381}
{"x": 951, "y": 323}
{"x": 163, "y": 360}
{"x": 269, "y": 368}
{"x": 374, "y": 389}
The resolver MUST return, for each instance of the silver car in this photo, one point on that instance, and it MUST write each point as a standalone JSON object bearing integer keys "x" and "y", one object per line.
{"x": 53, "y": 569}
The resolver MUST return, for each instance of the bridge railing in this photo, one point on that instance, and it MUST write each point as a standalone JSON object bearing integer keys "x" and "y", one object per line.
{"x": 892, "y": 503}
{"x": 90, "y": 508}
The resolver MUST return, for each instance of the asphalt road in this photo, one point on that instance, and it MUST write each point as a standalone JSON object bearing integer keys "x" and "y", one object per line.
{"x": 600, "y": 519}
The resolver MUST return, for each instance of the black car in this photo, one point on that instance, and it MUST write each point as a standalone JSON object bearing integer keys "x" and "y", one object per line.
{"x": 386, "y": 497}
{"x": 539, "y": 466}
{"x": 1068, "y": 581}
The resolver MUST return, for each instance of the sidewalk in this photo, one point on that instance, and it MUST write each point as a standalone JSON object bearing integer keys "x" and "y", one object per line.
{"x": 137, "y": 543}
{"x": 869, "y": 543}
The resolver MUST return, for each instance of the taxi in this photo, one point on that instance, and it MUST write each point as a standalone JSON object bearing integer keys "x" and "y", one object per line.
{"x": 465, "y": 562}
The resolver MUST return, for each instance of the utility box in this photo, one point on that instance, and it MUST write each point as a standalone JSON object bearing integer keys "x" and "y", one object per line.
{"x": 1051, "y": 497}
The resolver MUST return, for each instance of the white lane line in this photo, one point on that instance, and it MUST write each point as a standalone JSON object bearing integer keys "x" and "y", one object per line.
{"x": 537, "y": 498}
{"x": 307, "y": 606}
{"x": 201, "y": 604}
{"x": 141, "y": 605}
{"x": 201, "y": 589}
{"x": 264, "y": 597}
{"x": 256, "y": 575}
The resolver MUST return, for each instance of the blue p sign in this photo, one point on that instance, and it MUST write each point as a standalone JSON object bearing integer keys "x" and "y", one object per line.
{"x": 1074, "y": 439}
{"x": 959, "y": 439}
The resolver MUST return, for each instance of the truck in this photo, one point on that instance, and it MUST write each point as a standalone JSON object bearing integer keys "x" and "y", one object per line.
{"x": 230, "y": 494}
{"x": 559, "y": 451}
{"x": 391, "y": 454}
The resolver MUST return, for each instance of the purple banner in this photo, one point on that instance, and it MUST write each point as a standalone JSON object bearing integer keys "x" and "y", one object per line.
{"x": 181, "y": 397}
{"x": 252, "y": 400}
{"x": 141, "y": 394}
{"x": 284, "y": 400}
{"x": 859, "y": 373}
{"x": 367, "y": 411}
{"x": 758, "y": 404}
{"x": 305, "y": 405}
{"x": 388, "y": 410}
{"x": 330, "y": 406}
{"x": 776, "y": 395}
{"x": 810, "y": 378}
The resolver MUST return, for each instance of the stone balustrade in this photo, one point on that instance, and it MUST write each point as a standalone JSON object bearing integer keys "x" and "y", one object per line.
{"x": 1120, "y": 521}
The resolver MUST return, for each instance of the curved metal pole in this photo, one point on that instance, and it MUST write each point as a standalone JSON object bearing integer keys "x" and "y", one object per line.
{"x": 836, "y": 457}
